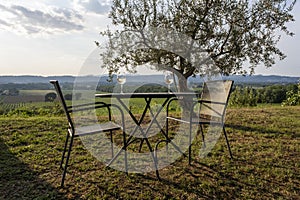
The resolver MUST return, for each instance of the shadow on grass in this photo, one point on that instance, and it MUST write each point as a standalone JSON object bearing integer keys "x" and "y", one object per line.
{"x": 175, "y": 184}
{"x": 18, "y": 181}
{"x": 231, "y": 184}
{"x": 196, "y": 181}
{"x": 264, "y": 130}
{"x": 238, "y": 184}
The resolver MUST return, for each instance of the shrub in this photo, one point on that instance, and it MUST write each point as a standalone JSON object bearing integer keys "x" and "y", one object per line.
{"x": 292, "y": 97}
{"x": 50, "y": 97}
{"x": 243, "y": 97}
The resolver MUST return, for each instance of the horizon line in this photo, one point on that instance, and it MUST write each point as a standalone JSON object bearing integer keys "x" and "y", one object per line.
{"x": 72, "y": 75}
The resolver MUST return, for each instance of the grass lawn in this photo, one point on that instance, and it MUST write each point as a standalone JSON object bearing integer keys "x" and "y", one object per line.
{"x": 265, "y": 144}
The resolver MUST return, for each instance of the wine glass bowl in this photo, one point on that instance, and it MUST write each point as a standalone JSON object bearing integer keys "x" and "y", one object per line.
{"x": 121, "y": 78}
{"x": 169, "y": 78}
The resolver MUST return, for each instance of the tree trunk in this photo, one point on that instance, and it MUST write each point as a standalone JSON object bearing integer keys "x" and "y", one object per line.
{"x": 185, "y": 102}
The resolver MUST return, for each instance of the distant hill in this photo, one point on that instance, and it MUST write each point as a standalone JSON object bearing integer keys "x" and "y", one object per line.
{"x": 255, "y": 79}
{"x": 262, "y": 79}
{"x": 38, "y": 79}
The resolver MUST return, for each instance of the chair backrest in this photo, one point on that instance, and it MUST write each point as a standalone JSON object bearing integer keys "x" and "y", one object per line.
{"x": 215, "y": 96}
{"x": 62, "y": 101}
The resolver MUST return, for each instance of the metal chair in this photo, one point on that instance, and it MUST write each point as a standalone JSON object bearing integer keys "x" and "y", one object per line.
{"x": 212, "y": 109}
{"x": 74, "y": 132}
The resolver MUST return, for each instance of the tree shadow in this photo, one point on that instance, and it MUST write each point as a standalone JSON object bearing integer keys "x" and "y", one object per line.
{"x": 212, "y": 181}
{"x": 259, "y": 130}
{"x": 19, "y": 181}
{"x": 177, "y": 184}
{"x": 189, "y": 180}
{"x": 227, "y": 184}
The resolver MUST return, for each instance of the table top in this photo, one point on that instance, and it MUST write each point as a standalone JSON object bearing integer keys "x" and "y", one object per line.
{"x": 146, "y": 95}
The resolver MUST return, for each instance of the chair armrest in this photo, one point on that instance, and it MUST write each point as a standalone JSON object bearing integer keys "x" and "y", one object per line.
{"x": 210, "y": 106}
{"x": 87, "y": 106}
{"x": 172, "y": 99}
{"x": 169, "y": 102}
{"x": 96, "y": 105}
{"x": 212, "y": 102}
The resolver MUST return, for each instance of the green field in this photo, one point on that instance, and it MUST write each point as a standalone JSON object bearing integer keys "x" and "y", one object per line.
{"x": 265, "y": 144}
{"x": 35, "y": 92}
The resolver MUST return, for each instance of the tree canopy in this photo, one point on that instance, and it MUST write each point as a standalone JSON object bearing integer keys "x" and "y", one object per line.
{"x": 234, "y": 33}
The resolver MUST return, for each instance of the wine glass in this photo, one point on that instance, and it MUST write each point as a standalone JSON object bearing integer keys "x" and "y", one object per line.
{"x": 121, "y": 78}
{"x": 169, "y": 80}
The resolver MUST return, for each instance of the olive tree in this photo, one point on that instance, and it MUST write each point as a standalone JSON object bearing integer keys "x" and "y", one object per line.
{"x": 238, "y": 35}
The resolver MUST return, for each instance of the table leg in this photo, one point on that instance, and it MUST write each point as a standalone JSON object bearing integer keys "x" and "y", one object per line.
{"x": 138, "y": 123}
{"x": 162, "y": 131}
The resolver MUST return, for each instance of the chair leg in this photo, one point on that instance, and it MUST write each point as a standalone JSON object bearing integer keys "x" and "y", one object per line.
{"x": 167, "y": 126}
{"x": 167, "y": 133}
{"x": 112, "y": 144}
{"x": 64, "y": 152}
{"x": 202, "y": 134}
{"x": 141, "y": 145}
{"x": 125, "y": 152}
{"x": 190, "y": 144}
{"x": 228, "y": 145}
{"x": 67, "y": 162}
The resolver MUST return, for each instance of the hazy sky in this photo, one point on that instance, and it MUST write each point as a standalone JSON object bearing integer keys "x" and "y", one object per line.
{"x": 54, "y": 37}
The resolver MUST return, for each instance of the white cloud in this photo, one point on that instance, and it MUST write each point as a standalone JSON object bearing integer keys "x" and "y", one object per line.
{"x": 100, "y": 7}
{"x": 51, "y": 20}
{"x": 46, "y": 18}
{"x": 4, "y": 23}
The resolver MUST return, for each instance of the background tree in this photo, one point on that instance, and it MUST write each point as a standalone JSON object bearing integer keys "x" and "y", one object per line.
{"x": 68, "y": 97}
{"x": 292, "y": 97}
{"x": 50, "y": 97}
{"x": 235, "y": 33}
